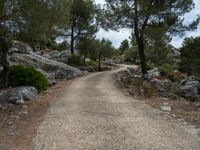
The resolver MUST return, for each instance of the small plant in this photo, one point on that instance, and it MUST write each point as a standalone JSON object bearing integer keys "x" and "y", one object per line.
{"x": 91, "y": 63}
{"x": 166, "y": 69}
{"x": 150, "y": 65}
{"x": 74, "y": 60}
{"x": 27, "y": 76}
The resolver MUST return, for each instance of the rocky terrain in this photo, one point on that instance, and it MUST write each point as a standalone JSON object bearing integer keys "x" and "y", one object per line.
{"x": 22, "y": 54}
{"x": 177, "y": 94}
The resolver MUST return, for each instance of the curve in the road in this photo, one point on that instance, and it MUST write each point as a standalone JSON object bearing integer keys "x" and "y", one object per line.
{"x": 92, "y": 114}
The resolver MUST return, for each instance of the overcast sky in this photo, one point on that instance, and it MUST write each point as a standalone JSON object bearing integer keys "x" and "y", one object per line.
{"x": 117, "y": 37}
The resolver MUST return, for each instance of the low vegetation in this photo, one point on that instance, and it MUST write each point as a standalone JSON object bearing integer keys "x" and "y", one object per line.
{"x": 27, "y": 76}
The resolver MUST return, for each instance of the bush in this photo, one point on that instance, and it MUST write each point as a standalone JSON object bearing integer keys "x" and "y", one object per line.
{"x": 150, "y": 65}
{"x": 91, "y": 63}
{"x": 27, "y": 76}
{"x": 176, "y": 76}
{"x": 74, "y": 60}
{"x": 165, "y": 69}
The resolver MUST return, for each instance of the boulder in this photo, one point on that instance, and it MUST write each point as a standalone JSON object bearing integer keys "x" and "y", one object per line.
{"x": 166, "y": 108}
{"x": 188, "y": 91}
{"x": 20, "y": 47}
{"x": 46, "y": 56}
{"x": 60, "y": 56}
{"x": 160, "y": 85}
{"x": 53, "y": 70}
{"x": 189, "y": 87}
{"x": 20, "y": 94}
{"x": 152, "y": 74}
{"x": 130, "y": 71}
{"x": 191, "y": 78}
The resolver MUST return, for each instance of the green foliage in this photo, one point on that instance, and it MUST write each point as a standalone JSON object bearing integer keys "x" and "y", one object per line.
{"x": 105, "y": 48}
{"x": 190, "y": 55}
{"x": 150, "y": 65}
{"x": 27, "y": 76}
{"x": 33, "y": 21}
{"x": 131, "y": 54}
{"x": 86, "y": 46}
{"x": 144, "y": 15}
{"x": 74, "y": 60}
{"x": 166, "y": 69}
{"x": 58, "y": 46}
{"x": 91, "y": 63}
{"x": 158, "y": 49}
{"x": 82, "y": 21}
{"x": 124, "y": 46}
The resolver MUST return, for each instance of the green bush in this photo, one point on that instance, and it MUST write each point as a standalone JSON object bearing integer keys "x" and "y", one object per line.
{"x": 27, "y": 76}
{"x": 74, "y": 60}
{"x": 91, "y": 63}
{"x": 166, "y": 69}
{"x": 150, "y": 65}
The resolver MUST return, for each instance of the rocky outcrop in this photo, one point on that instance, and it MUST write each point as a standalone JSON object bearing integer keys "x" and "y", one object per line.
{"x": 22, "y": 54}
{"x": 190, "y": 87}
{"x": 131, "y": 79}
{"x": 60, "y": 56}
{"x": 20, "y": 94}
{"x": 152, "y": 74}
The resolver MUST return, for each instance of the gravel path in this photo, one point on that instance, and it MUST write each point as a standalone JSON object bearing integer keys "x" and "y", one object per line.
{"x": 92, "y": 114}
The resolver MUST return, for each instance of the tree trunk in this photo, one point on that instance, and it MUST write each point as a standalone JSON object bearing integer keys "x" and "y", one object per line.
{"x": 140, "y": 44}
{"x": 6, "y": 73}
{"x": 139, "y": 39}
{"x": 4, "y": 47}
{"x": 99, "y": 66}
{"x": 72, "y": 40}
{"x": 84, "y": 63}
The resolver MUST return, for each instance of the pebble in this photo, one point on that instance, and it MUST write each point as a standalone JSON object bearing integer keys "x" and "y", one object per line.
{"x": 166, "y": 108}
{"x": 12, "y": 133}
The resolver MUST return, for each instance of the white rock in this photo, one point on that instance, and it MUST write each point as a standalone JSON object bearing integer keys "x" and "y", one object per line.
{"x": 166, "y": 108}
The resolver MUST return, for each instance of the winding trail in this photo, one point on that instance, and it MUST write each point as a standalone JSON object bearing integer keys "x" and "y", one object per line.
{"x": 92, "y": 114}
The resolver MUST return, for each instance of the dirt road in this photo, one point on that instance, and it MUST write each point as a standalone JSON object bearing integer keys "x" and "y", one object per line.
{"x": 92, "y": 114}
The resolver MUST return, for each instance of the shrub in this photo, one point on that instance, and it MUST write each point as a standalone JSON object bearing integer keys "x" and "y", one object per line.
{"x": 27, "y": 76}
{"x": 176, "y": 76}
{"x": 74, "y": 60}
{"x": 165, "y": 69}
{"x": 150, "y": 65}
{"x": 91, "y": 63}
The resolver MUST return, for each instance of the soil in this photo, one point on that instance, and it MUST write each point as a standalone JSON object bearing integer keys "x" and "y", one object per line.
{"x": 18, "y": 124}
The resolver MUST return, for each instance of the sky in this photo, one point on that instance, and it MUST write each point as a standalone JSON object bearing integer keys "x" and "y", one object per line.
{"x": 118, "y": 37}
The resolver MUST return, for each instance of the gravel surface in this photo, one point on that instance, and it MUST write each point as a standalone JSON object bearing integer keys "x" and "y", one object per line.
{"x": 92, "y": 114}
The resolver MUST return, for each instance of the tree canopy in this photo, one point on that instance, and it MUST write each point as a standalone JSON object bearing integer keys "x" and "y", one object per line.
{"x": 144, "y": 15}
{"x": 190, "y": 54}
{"x": 124, "y": 46}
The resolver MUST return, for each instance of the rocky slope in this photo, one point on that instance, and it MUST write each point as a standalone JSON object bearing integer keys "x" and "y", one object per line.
{"x": 22, "y": 54}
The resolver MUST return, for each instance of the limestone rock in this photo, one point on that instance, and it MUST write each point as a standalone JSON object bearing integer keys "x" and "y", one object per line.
{"x": 20, "y": 94}
{"x": 22, "y": 54}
